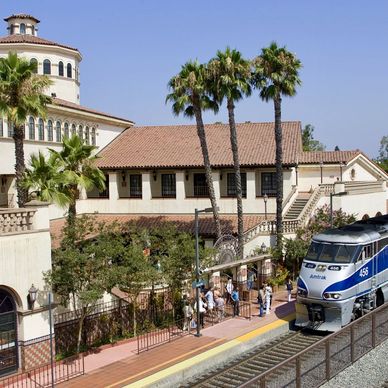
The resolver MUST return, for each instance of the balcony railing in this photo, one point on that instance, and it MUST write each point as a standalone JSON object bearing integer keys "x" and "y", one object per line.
{"x": 16, "y": 220}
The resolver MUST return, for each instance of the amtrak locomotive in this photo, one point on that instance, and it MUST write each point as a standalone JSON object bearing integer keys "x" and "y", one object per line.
{"x": 344, "y": 275}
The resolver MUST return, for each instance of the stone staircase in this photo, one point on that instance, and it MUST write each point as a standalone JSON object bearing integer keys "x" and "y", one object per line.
{"x": 297, "y": 206}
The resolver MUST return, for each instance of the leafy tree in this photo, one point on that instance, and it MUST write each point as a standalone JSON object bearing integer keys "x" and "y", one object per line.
{"x": 59, "y": 177}
{"x": 308, "y": 141}
{"x": 229, "y": 76}
{"x": 77, "y": 164}
{"x": 189, "y": 95}
{"x": 21, "y": 95}
{"x": 81, "y": 267}
{"x": 132, "y": 271}
{"x": 44, "y": 178}
{"x": 296, "y": 249}
{"x": 276, "y": 74}
{"x": 382, "y": 159}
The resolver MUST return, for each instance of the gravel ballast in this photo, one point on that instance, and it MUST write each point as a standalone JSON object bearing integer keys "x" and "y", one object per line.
{"x": 369, "y": 371}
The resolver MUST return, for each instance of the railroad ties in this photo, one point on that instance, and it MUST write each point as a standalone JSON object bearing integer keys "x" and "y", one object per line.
{"x": 255, "y": 362}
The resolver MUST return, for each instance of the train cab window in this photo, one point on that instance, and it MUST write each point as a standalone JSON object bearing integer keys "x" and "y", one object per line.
{"x": 345, "y": 253}
{"x": 314, "y": 251}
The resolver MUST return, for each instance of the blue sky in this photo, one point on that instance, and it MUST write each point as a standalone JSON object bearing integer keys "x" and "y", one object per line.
{"x": 131, "y": 48}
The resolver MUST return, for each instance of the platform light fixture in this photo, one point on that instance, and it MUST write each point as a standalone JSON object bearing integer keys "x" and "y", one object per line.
{"x": 32, "y": 292}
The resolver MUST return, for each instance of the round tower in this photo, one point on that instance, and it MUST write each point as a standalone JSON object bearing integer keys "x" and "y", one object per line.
{"x": 58, "y": 61}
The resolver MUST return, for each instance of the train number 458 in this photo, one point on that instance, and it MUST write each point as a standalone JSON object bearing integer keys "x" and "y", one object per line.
{"x": 363, "y": 272}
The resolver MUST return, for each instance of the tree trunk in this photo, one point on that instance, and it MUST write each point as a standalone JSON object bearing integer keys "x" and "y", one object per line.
{"x": 72, "y": 213}
{"x": 236, "y": 163}
{"x": 279, "y": 174}
{"x": 80, "y": 327}
{"x": 20, "y": 166}
{"x": 208, "y": 170}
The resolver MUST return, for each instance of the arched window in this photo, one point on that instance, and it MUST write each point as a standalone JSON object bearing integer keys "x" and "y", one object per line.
{"x": 365, "y": 217}
{"x": 12, "y": 29}
{"x": 66, "y": 130}
{"x": 8, "y": 333}
{"x": 69, "y": 71}
{"x": 40, "y": 129}
{"x": 378, "y": 214}
{"x": 72, "y": 129}
{"x": 87, "y": 135}
{"x": 46, "y": 67}
{"x": 34, "y": 62}
{"x": 49, "y": 130}
{"x": 60, "y": 68}
{"x": 93, "y": 136}
{"x": 31, "y": 128}
{"x": 58, "y": 137}
{"x": 22, "y": 28}
{"x": 33, "y": 30}
{"x": 80, "y": 132}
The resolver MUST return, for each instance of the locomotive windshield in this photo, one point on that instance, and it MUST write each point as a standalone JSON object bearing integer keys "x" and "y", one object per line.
{"x": 331, "y": 253}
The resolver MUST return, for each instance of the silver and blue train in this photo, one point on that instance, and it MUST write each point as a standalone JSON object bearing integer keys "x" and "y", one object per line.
{"x": 344, "y": 275}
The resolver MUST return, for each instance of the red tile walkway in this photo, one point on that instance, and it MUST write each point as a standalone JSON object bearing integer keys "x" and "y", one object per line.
{"x": 121, "y": 365}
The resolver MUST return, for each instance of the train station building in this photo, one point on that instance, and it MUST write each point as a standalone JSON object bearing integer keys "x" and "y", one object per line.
{"x": 154, "y": 175}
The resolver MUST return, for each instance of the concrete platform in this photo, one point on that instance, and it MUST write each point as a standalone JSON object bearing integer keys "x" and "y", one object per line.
{"x": 170, "y": 364}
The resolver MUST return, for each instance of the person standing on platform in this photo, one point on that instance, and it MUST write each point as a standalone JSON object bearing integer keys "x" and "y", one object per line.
{"x": 268, "y": 294}
{"x": 251, "y": 279}
{"x": 188, "y": 315}
{"x": 202, "y": 310}
{"x": 210, "y": 301}
{"x": 289, "y": 289}
{"x": 236, "y": 303}
{"x": 260, "y": 301}
{"x": 229, "y": 289}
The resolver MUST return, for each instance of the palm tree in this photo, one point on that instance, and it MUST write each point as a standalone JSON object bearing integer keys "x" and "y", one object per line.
{"x": 229, "y": 76}
{"x": 77, "y": 165}
{"x": 189, "y": 95}
{"x": 21, "y": 95}
{"x": 276, "y": 74}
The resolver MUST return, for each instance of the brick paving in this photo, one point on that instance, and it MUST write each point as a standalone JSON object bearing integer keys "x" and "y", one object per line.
{"x": 121, "y": 365}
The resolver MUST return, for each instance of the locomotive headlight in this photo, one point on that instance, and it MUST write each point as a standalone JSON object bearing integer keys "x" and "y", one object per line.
{"x": 302, "y": 292}
{"x": 334, "y": 295}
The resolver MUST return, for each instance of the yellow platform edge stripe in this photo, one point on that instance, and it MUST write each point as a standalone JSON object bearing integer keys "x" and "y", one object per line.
{"x": 205, "y": 355}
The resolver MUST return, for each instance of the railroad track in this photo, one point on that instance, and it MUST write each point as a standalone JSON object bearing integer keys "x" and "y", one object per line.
{"x": 255, "y": 362}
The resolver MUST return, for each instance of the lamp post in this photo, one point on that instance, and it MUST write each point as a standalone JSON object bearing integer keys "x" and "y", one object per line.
{"x": 32, "y": 296}
{"x": 340, "y": 194}
{"x": 197, "y": 211}
{"x": 265, "y": 205}
{"x": 321, "y": 167}
{"x": 51, "y": 338}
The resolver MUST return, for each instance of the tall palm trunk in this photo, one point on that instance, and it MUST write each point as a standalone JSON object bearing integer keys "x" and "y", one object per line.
{"x": 20, "y": 166}
{"x": 72, "y": 213}
{"x": 236, "y": 163}
{"x": 279, "y": 172}
{"x": 208, "y": 170}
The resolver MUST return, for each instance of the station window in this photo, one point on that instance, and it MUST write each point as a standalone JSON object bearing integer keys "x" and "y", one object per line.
{"x": 46, "y": 67}
{"x": 80, "y": 132}
{"x": 31, "y": 128}
{"x": 40, "y": 129}
{"x": 135, "y": 186}
{"x": 66, "y": 130}
{"x": 10, "y": 129}
{"x": 93, "y": 136}
{"x": 87, "y": 135}
{"x": 1, "y": 128}
{"x": 268, "y": 184}
{"x": 34, "y": 62}
{"x": 168, "y": 185}
{"x": 231, "y": 184}
{"x": 60, "y": 69}
{"x": 58, "y": 137}
{"x": 69, "y": 71}
{"x": 22, "y": 28}
{"x": 49, "y": 130}
{"x": 73, "y": 131}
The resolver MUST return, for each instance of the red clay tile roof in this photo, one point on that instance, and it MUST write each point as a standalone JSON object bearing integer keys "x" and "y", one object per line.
{"x": 22, "y": 16}
{"x": 72, "y": 105}
{"x": 184, "y": 223}
{"x": 314, "y": 157}
{"x": 31, "y": 39}
{"x": 178, "y": 146}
